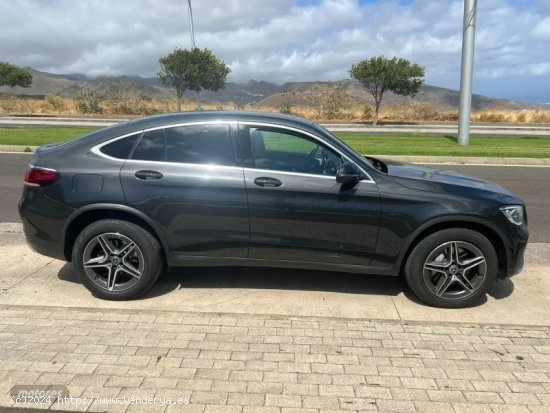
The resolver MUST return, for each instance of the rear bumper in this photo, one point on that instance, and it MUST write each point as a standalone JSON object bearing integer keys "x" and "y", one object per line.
{"x": 43, "y": 221}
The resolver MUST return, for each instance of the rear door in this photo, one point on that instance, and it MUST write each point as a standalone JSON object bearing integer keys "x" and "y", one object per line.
{"x": 188, "y": 180}
{"x": 298, "y": 211}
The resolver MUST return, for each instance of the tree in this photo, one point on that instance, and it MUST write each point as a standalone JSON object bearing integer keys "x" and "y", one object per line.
{"x": 380, "y": 74}
{"x": 193, "y": 69}
{"x": 11, "y": 75}
{"x": 124, "y": 96}
{"x": 329, "y": 99}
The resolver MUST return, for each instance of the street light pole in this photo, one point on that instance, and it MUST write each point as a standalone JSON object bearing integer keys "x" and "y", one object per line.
{"x": 192, "y": 30}
{"x": 191, "y": 24}
{"x": 467, "y": 70}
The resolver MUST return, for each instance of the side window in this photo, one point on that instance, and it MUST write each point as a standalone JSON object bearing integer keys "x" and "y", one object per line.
{"x": 120, "y": 148}
{"x": 150, "y": 146}
{"x": 200, "y": 144}
{"x": 282, "y": 150}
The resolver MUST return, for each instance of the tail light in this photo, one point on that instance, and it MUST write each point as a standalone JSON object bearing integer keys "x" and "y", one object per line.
{"x": 37, "y": 177}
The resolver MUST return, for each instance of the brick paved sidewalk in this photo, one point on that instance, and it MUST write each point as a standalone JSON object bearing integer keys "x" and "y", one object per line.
{"x": 242, "y": 363}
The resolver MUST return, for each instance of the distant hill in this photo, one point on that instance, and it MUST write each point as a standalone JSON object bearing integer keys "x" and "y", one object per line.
{"x": 253, "y": 92}
{"x": 300, "y": 92}
{"x": 72, "y": 84}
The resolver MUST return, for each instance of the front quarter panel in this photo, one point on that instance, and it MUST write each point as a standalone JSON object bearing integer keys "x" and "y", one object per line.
{"x": 407, "y": 212}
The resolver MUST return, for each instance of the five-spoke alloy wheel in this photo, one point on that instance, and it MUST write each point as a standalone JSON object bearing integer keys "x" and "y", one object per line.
{"x": 117, "y": 259}
{"x": 113, "y": 261}
{"x": 451, "y": 268}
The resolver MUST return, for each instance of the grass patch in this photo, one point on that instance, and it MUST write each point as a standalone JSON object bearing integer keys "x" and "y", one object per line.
{"x": 402, "y": 144}
{"x": 37, "y": 136}
{"x": 440, "y": 145}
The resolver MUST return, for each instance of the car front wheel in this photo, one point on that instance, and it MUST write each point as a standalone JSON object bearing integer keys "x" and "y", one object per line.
{"x": 451, "y": 268}
{"x": 116, "y": 259}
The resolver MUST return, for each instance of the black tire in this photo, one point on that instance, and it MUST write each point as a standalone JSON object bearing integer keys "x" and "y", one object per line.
{"x": 436, "y": 281}
{"x": 140, "y": 264}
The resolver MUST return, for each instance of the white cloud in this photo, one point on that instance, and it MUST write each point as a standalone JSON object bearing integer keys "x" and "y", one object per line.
{"x": 542, "y": 29}
{"x": 277, "y": 40}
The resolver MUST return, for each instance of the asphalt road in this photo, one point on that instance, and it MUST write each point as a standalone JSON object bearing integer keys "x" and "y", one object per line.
{"x": 532, "y": 184}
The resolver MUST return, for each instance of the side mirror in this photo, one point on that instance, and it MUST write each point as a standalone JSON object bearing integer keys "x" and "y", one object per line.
{"x": 348, "y": 173}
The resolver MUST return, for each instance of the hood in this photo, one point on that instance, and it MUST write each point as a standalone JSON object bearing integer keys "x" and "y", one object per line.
{"x": 436, "y": 180}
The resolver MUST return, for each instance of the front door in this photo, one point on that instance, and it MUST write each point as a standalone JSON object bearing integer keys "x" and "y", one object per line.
{"x": 187, "y": 180}
{"x": 298, "y": 211}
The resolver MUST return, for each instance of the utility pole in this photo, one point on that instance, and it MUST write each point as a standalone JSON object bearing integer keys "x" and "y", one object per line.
{"x": 192, "y": 30}
{"x": 467, "y": 71}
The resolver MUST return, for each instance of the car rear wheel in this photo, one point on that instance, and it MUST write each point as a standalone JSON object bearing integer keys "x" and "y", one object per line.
{"x": 117, "y": 260}
{"x": 451, "y": 268}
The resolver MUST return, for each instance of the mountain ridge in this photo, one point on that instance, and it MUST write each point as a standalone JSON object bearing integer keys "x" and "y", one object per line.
{"x": 258, "y": 93}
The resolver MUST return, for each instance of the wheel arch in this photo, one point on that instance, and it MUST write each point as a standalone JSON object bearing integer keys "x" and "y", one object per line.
{"x": 483, "y": 227}
{"x": 84, "y": 216}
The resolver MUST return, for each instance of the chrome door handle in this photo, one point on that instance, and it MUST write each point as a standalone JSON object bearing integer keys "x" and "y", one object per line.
{"x": 148, "y": 175}
{"x": 267, "y": 182}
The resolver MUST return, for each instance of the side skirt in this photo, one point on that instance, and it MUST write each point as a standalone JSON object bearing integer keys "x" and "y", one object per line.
{"x": 180, "y": 260}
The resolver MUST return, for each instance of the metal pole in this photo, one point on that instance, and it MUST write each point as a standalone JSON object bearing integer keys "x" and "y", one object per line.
{"x": 467, "y": 70}
{"x": 192, "y": 27}
{"x": 191, "y": 24}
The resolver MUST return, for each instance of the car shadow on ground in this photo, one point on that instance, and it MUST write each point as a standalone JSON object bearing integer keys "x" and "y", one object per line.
{"x": 285, "y": 279}
{"x": 263, "y": 279}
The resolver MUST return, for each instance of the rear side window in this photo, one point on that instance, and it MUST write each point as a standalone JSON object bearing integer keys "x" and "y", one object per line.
{"x": 200, "y": 144}
{"x": 150, "y": 146}
{"x": 120, "y": 148}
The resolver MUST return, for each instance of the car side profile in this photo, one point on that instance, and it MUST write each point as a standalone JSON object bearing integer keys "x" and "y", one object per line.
{"x": 255, "y": 189}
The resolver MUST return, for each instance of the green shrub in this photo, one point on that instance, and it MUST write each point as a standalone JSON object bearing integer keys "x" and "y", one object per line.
{"x": 89, "y": 103}
{"x": 55, "y": 101}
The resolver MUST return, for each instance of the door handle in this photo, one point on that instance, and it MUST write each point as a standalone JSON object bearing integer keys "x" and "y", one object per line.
{"x": 148, "y": 175}
{"x": 267, "y": 182}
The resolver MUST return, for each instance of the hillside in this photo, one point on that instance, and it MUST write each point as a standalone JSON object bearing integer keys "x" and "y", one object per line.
{"x": 300, "y": 93}
{"x": 256, "y": 93}
{"x": 72, "y": 84}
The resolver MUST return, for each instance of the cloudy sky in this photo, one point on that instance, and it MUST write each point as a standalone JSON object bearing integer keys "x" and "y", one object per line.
{"x": 285, "y": 40}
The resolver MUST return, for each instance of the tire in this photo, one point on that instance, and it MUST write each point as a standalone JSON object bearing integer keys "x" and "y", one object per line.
{"x": 117, "y": 260}
{"x": 451, "y": 268}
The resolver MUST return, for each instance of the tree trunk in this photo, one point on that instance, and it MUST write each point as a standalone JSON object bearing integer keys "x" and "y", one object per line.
{"x": 199, "y": 100}
{"x": 178, "y": 103}
{"x": 376, "y": 111}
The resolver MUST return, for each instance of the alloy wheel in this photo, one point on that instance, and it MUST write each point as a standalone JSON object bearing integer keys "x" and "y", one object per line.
{"x": 113, "y": 261}
{"x": 455, "y": 270}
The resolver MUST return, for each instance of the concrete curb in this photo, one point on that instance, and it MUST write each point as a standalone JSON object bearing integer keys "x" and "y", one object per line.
{"x": 390, "y": 321}
{"x": 469, "y": 160}
{"x": 456, "y": 160}
{"x": 17, "y": 148}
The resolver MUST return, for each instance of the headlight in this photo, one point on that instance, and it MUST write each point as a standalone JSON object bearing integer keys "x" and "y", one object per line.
{"x": 514, "y": 213}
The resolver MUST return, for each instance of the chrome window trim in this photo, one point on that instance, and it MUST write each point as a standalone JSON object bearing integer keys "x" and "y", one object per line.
{"x": 96, "y": 149}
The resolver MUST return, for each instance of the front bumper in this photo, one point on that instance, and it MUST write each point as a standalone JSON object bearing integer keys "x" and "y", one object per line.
{"x": 515, "y": 250}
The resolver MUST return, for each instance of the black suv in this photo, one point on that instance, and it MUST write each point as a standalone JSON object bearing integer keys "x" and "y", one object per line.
{"x": 257, "y": 189}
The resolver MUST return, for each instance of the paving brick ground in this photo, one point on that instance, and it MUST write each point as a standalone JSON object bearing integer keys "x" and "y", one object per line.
{"x": 242, "y": 363}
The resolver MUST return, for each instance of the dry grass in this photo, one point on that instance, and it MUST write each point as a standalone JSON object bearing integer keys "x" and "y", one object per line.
{"x": 414, "y": 111}
{"x": 512, "y": 116}
{"x": 67, "y": 106}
